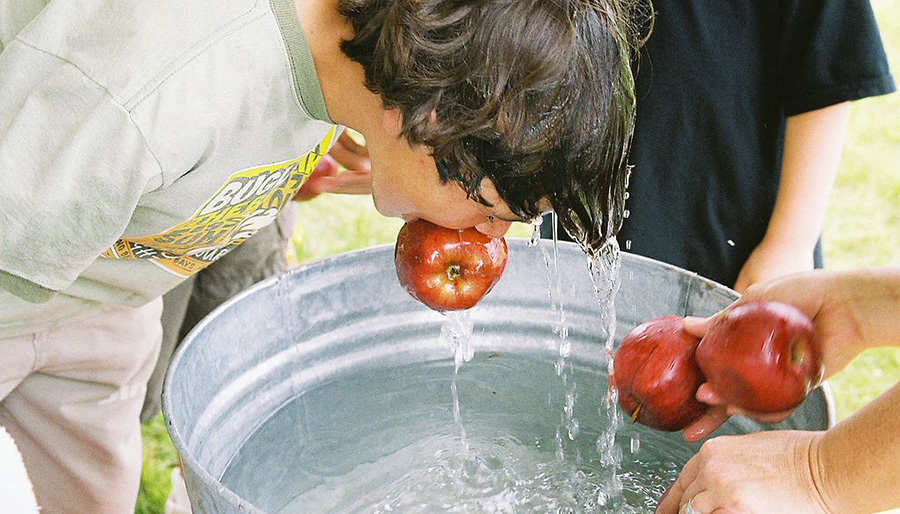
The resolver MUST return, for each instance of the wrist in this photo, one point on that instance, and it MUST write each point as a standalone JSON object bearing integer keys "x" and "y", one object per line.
{"x": 790, "y": 240}
{"x": 855, "y": 463}
{"x": 871, "y": 298}
{"x": 821, "y": 476}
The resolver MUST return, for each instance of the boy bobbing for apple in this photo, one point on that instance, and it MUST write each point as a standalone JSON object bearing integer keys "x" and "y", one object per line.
{"x": 141, "y": 142}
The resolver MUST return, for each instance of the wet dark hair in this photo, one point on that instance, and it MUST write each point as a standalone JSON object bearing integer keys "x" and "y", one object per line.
{"x": 536, "y": 95}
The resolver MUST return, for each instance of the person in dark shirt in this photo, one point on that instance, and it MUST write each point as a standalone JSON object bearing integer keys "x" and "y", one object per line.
{"x": 742, "y": 113}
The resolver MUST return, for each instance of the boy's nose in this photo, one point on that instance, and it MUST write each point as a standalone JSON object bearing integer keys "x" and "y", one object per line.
{"x": 493, "y": 228}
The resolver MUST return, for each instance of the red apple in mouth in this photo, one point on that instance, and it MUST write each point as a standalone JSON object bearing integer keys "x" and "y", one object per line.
{"x": 447, "y": 269}
{"x": 761, "y": 357}
{"x": 657, "y": 377}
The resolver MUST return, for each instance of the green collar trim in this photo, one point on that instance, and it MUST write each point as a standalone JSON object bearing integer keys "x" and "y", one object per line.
{"x": 306, "y": 83}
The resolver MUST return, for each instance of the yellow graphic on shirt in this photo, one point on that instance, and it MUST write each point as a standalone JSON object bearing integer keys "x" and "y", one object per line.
{"x": 249, "y": 201}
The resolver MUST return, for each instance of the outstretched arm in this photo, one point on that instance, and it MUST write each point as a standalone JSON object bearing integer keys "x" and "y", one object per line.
{"x": 327, "y": 177}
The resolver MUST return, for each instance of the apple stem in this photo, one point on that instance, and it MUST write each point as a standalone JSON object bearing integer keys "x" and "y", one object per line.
{"x": 636, "y": 413}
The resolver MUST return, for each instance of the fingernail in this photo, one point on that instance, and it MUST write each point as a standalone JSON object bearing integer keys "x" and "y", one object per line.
{"x": 690, "y": 437}
{"x": 705, "y": 395}
{"x": 696, "y": 435}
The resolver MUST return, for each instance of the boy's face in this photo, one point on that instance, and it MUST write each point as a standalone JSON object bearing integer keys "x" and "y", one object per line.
{"x": 406, "y": 185}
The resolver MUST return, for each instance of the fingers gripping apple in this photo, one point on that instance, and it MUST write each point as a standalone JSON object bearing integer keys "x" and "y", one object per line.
{"x": 760, "y": 356}
{"x": 447, "y": 269}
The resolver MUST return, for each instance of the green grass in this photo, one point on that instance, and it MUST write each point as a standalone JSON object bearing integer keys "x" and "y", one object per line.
{"x": 862, "y": 229}
{"x": 159, "y": 459}
{"x": 862, "y": 226}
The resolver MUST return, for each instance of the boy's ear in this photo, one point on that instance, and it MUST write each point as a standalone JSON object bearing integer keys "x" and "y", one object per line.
{"x": 393, "y": 121}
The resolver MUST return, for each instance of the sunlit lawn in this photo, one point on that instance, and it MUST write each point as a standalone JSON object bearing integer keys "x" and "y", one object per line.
{"x": 862, "y": 229}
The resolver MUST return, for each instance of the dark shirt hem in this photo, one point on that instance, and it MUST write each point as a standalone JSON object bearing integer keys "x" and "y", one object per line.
{"x": 844, "y": 93}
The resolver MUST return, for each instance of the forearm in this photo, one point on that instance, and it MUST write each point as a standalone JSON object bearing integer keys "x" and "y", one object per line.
{"x": 812, "y": 152}
{"x": 856, "y": 465}
{"x": 872, "y": 297}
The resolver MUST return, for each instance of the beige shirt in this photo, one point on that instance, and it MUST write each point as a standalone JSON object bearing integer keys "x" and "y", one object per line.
{"x": 140, "y": 141}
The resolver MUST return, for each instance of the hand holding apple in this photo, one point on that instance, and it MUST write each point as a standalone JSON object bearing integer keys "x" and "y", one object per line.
{"x": 657, "y": 376}
{"x": 760, "y": 356}
{"x": 447, "y": 269}
{"x": 757, "y": 356}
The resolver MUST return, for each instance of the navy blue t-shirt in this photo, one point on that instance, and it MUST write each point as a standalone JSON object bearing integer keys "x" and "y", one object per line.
{"x": 715, "y": 83}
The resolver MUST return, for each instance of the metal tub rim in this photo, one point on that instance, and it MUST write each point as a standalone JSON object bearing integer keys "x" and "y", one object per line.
{"x": 191, "y": 462}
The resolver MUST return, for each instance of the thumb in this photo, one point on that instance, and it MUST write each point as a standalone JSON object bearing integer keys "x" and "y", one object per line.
{"x": 708, "y": 395}
{"x": 695, "y": 326}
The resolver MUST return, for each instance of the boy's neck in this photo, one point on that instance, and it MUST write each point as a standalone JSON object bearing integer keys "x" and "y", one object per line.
{"x": 348, "y": 101}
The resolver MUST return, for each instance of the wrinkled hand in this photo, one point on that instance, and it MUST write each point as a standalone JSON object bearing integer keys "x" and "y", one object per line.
{"x": 761, "y": 473}
{"x": 769, "y": 261}
{"x": 327, "y": 177}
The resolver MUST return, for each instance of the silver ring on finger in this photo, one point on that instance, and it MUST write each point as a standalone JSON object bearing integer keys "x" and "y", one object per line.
{"x": 689, "y": 508}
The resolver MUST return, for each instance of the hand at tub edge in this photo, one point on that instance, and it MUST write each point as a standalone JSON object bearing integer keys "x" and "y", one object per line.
{"x": 853, "y": 468}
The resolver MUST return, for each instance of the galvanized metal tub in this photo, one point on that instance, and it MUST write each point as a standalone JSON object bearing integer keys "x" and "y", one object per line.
{"x": 334, "y": 317}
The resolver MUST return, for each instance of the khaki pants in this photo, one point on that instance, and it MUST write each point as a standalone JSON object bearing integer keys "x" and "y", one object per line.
{"x": 258, "y": 258}
{"x": 70, "y": 398}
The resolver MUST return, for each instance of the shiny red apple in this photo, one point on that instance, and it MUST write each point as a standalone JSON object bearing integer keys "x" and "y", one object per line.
{"x": 761, "y": 356}
{"x": 447, "y": 269}
{"x": 656, "y": 375}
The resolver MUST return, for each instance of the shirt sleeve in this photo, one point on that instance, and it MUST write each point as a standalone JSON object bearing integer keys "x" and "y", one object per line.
{"x": 831, "y": 52}
{"x": 72, "y": 168}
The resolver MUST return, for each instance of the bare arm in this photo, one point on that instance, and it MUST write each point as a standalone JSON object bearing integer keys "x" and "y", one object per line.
{"x": 812, "y": 153}
{"x": 857, "y": 463}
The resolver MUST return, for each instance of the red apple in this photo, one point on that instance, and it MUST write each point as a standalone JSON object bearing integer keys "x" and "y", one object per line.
{"x": 656, "y": 375}
{"x": 760, "y": 356}
{"x": 447, "y": 269}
